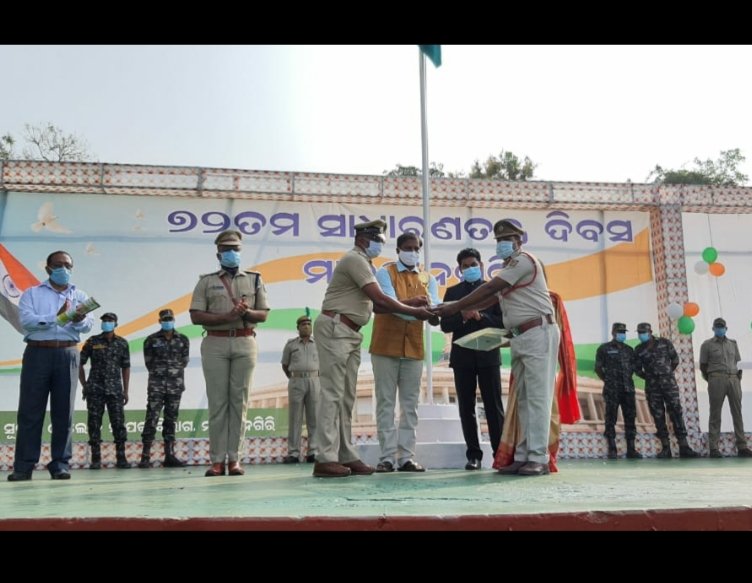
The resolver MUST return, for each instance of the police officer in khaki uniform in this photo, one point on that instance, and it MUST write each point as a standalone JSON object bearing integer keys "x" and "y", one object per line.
{"x": 353, "y": 293}
{"x": 228, "y": 304}
{"x": 529, "y": 315}
{"x": 300, "y": 361}
{"x": 719, "y": 357}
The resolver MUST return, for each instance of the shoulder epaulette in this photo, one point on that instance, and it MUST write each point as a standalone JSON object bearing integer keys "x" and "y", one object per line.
{"x": 206, "y": 274}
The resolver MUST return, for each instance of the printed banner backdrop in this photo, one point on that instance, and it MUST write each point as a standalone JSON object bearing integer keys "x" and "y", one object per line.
{"x": 137, "y": 255}
{"x": 726, "y": 296}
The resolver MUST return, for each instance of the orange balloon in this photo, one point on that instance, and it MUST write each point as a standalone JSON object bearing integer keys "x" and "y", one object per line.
{"x": 717, "y": 269}
{"x": 691, "y": 309}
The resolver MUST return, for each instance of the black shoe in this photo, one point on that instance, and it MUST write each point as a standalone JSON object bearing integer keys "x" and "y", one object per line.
{"x": 473, "y": 464}
{"x": 60, "y": 475}
{"x": 310, "y": 458}
{"x": 19, "y": 476}
{"x": 291, "y": 459}
{"x": 411, "y": 466}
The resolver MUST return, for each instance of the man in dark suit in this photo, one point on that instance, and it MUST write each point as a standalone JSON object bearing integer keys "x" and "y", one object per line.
{"x": 474, "y": 368}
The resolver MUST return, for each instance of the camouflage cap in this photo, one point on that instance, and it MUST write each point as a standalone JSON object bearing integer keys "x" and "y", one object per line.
{"x": 109, "y": 316}
{"x": 506, "y": 228}
{"x": 167, "y": 313}
{"x": 644, "y": 327}
{"x": 719, "y": 323}
{"x": 618, "y": 327}
{"x": 229, "y": 237}
{"x": 374, "y": 229}
{"x": 303, "y": 319}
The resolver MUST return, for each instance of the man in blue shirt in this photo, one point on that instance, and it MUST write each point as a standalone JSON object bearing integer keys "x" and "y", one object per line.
{"x": 50, "y": 368}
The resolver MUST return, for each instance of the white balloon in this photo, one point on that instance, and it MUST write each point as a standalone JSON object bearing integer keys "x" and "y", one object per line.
{"x": 701, "y": 268}
{"x": 674, "y": 311}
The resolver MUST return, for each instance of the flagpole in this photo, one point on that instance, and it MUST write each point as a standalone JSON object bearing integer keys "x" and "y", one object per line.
{"x": 426, "y": 218}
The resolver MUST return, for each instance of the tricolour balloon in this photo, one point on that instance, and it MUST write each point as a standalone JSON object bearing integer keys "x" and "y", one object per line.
{"x": 674, "y": 311}
{"x": 709, "y": 254}
{"x": 686, "y": 325}
{"x": 717, "y": 269}
{"x": 691, "y": 309}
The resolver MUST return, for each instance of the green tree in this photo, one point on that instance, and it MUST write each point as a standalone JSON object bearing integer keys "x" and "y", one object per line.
{"x": 6, "y": 147}
{"x": 399, "y": 171}
{"x": 722, "y": 172}
{"x": 507, "y": 166}
{"x": 46, "y": 142}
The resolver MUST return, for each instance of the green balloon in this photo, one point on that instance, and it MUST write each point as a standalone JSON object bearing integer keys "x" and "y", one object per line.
{"x": 709, "y": 254}
{"x": 686, "y": 325}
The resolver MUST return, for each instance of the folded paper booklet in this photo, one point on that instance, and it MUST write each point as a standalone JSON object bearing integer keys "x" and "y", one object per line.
{"x": 486, "y": 339}
{"x": 88, "y": 306}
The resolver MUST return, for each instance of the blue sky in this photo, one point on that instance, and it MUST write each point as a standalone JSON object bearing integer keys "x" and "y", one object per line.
{"x": 582, "y": 113}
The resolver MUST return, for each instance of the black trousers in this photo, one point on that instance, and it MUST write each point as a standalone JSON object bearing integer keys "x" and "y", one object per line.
{"x": 489, "y": 380}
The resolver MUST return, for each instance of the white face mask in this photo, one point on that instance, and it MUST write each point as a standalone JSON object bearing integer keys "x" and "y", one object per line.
{"x": 409, "y": 258}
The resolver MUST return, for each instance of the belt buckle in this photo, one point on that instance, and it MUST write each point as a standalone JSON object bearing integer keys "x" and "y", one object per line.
{"x": 232, "y": 333}
{"x": 515, "y": 332}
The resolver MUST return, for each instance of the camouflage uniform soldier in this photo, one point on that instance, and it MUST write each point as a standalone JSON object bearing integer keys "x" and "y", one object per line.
{"x": 614, "y": 366}
{"x": 110, "y": 363}
{"x": 166, "y": 356}
{"x": 655, "y": 361}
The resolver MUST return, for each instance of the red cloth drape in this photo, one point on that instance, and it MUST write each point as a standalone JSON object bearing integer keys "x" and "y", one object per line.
{"x": 565, "y": 407}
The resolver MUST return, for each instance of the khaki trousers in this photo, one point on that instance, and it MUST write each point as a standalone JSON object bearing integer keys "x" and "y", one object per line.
{"x": 339, "y": 359}
{"x": 302, "y": 393}
{"x": 228, "y": 365}
{"x": 720, "y": 386}
{"x": 534, "y": 358}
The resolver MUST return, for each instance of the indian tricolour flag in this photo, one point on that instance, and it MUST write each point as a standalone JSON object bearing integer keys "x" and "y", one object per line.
{"x": 14, "y": 279}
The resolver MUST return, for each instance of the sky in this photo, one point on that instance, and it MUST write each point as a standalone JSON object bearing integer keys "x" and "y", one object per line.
{"x": 581, "y": 113}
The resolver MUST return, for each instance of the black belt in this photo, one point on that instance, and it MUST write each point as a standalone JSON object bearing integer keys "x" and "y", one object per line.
{"x": 52, "y": 343}
{"x": 232, "y": 333}
{"x": 525, "y": 326}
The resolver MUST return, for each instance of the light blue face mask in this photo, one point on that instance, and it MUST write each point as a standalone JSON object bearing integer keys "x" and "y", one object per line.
{"x": 504, "y": 249}
{"x": 229, "y": 258}
{"x": 472, "y": 274}
{"x": 168, "y": 325}
{"x": 60, "y": 275}
{"x": 374, "y": 249}
{"x": 108, "y": 326}
{"x": 644, "y": 336}
{"x": 720, "y": 332}
{"x": 621, "y": 336}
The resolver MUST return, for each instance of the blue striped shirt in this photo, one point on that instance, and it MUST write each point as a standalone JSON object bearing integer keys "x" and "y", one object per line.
{"x": 38, "y": 309}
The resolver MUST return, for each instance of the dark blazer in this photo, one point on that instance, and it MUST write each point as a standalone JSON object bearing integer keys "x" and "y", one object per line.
{"x": 465, "y": 357}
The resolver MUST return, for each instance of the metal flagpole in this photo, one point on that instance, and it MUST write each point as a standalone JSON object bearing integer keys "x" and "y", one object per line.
{"x": 426, "y": 218}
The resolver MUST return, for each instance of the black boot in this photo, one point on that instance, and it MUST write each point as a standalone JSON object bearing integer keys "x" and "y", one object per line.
{"x": 665, "y": 453}
{"x": 632, "y": 453}
{"x": 685, "y": 450}
{"x": 121, "y": 462}
{"x": 612, "y": 452}
{"x": 145, "y": 462}
{"x": 96, "y": 457}
{"x": 170, "y": 461}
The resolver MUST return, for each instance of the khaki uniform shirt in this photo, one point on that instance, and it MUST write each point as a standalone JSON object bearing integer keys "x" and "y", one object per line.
{"x": 344, "y": 294}
{"x": 720, "y": 354}
{"x": 210, "y": 295}
{"x": 528, "y": 302}
{"x": 299, "y": 356}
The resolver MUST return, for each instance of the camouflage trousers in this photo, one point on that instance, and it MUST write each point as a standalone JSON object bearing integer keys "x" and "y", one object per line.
{"x": 628, "y": 410}
{"x": 659, "y": 400}
{"x": 95, "y": 404}
{"x": 154, "y": 404}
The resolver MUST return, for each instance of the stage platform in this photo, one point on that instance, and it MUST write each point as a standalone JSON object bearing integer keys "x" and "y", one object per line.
{"x": 586, "y": 495}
